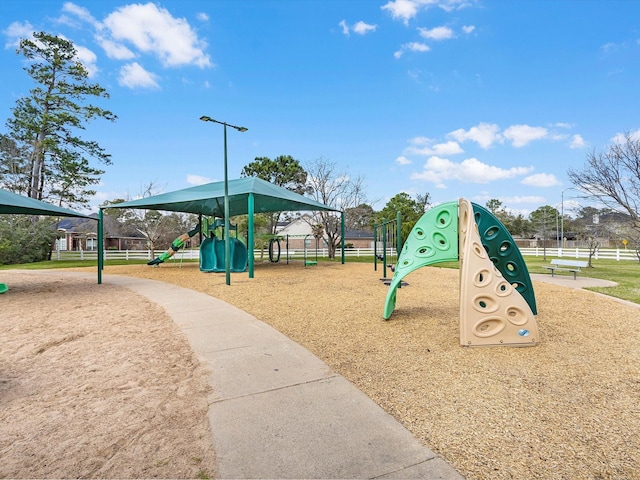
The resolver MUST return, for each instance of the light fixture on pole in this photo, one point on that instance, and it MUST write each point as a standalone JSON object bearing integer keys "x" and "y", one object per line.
{"x": 227, "y": 238}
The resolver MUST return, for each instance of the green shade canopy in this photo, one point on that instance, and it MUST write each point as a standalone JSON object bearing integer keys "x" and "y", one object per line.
{"x": 18, "y": 204}
{"x": 12, "y": 203}
{"x": 208, "y": 199}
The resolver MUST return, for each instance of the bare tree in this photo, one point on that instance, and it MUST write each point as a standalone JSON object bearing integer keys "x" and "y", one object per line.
{"x": 593, "y": 244}
{"x": 613, "y": 176}
{"x": 335, "y": 188}
{"x": 158, "y": 228}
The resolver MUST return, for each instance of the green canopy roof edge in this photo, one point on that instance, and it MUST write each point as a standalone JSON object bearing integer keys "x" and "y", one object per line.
{"x": 207, "y": 199}
{"x": 12, "y": 203}
{"x": 19, "y": 204}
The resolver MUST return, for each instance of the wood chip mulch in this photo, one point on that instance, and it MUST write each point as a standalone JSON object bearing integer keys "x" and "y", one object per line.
{"x": 567, "y": 408}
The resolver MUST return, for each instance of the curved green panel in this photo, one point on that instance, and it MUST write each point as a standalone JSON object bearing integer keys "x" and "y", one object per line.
{"x": 212, "y": 255}
{"x": 504, "y": 253}
{"x": 433, "y": 239}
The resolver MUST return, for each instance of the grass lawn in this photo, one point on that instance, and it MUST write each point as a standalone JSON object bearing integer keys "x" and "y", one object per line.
{"x": 625, "y": 273}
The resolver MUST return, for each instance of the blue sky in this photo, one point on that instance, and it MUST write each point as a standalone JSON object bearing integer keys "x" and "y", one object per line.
{"x": 455, "y": 98}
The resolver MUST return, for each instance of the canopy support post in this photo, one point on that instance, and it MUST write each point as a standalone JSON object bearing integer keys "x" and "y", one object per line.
{"x": 342, "y": 234}
{"x": 250, "y": 241}
{"x": 100, "y": 246}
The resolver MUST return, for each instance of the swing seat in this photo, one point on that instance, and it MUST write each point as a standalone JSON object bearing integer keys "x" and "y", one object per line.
{"x": 3, "y": 287}
{"x": 308, "y": 263}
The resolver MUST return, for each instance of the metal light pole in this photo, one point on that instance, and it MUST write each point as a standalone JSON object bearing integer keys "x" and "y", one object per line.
{"x": 562, "y": 217}
{"x": 227, "y": 238}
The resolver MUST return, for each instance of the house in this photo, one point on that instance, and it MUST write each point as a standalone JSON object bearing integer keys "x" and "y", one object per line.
{"x": 77, "y": 234}
{"x": 299, "y": 234}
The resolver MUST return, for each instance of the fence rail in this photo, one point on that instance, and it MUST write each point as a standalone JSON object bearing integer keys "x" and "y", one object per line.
{"x": 601, "y": 254}
{"x": 193, "y": 254}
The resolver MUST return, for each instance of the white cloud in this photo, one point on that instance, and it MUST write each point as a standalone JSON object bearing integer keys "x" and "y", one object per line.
{"x": 197, "y": 179}
{"x": 402, "y": 160}
{"x": 620, "y": 137}
{"x": 484, "y": 134}
{"x": 416, "y": 47}
{"x": 468, "y": 29}
{"x": 133, "y": 75}
{"x": 17, "y": 31}
{"x": 115, "y": 50}
{"x": 361, "y": 28}
{"x": 447, "y": 148}
{"x": 405, "y": 10}
{"x": 470, "y": 170}
{"x": 577, "y": 142}
{"x": 521, "y": 135}
{"x": 203, "y": 17}
{"x": 535, "y": 199}
{"x": 420, "y": 141}
{"x": 541, "y": 180}
{"x": 81, "y": 12}
{"x": 450, "y": 5}
{"x": 152, "y": 29}
{"x": 402, "y": 9}
{"x": 88, "y": 60}
{"x": 412, "y": 47}
{"x": 438, "y": 33}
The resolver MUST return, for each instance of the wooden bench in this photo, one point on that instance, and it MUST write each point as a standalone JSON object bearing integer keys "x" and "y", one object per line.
{"x": 573, "y": 266}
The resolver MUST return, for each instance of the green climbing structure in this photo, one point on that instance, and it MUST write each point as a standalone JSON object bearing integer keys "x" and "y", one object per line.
{"x": 433, "y": 239}
{"x": 504, "y": 253}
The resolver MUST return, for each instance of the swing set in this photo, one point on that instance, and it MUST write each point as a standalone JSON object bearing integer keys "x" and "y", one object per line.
{"x": 387, "y": 244}
{"x": 275, "y": 249}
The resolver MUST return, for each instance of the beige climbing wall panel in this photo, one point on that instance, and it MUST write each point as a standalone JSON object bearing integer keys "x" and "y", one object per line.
{"x": 492, "y": 311}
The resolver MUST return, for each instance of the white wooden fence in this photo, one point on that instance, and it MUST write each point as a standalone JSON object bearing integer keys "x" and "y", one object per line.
{"x": 601, "y": 254}
{"x": 193, "y": 254}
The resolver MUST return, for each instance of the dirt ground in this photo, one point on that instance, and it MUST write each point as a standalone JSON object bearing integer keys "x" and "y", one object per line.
{"x": 96, "y": 382}
{"x": 566, "y": 408}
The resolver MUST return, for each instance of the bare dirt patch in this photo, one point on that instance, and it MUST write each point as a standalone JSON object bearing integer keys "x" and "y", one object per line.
{"x": 96, "y": 382}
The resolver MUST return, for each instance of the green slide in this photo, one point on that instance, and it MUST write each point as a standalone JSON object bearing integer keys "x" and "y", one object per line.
{"x": 212, "y": 255}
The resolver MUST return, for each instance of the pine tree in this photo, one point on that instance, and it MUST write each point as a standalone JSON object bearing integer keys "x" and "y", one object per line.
{"x": 46, "y": 125}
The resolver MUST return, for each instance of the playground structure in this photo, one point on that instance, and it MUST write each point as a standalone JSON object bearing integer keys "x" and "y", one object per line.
{"x": 387, "y": 234}
{"x": 275, "y": 248}
{"x": 212, "y": 254}
{"x": 176, "y": 245}
{"x": 497, "y": 301}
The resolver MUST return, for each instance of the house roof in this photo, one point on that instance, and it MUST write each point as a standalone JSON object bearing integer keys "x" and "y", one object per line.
{"x": 18, "y": 204}
{"x": 208, "y": 199}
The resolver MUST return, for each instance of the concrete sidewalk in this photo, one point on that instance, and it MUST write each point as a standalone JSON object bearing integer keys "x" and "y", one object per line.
{"x": 581, "y": 282}
{"x": 569, "y": 281}
{"x": 278, "y": 411}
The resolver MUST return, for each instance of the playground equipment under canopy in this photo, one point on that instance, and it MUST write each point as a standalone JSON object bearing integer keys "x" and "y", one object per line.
{"x": 247, "y": 196}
